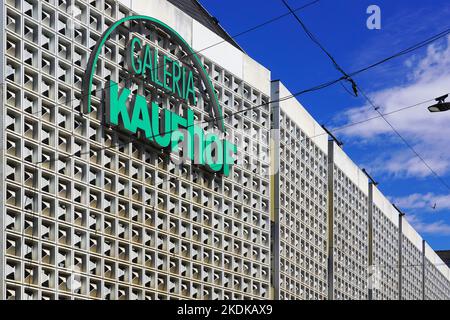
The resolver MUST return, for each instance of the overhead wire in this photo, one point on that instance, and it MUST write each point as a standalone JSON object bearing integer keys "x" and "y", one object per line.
{"x": 402, "y": 138}
{"x": 357, "y": 88}
{"x": 352, "y": 124}
{"x": 313, "y": 38}
{"x": 285, "y": 98}
{"x": 193, "y": 53}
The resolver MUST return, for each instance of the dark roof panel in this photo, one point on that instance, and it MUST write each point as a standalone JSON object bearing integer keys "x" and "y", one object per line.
{"x": 194, "y": 9}
{"x": 445, "y": 256}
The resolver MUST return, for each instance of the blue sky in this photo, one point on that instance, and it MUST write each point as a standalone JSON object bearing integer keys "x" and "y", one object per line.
{"x": 341, "y": 27}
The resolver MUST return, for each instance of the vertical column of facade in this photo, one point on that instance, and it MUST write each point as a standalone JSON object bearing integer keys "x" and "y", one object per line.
{"x": 275, "y": 189}
{"x": 400, "y": 254}
{"x": 383, "y": 247}
{"x": 2, "y": 148}
{"x": 302, "y": 211}
{"x": 246, "y": 192}
{"x": 330, "y": 220}
{"x": 411, "y": 262}
{"x": 372, "y": 268}
{"x": 17, "y": 191}
{"x": 349, "y": 220}
{"x": 424, "y": 269}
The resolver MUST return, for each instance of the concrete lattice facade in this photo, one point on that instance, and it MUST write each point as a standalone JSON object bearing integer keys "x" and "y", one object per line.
{"x": 339, "y": 232}
{"x": 89, "y": 213}
{"x": 436, "y": 276}
{"x": 302, "y": 211}
{"x": 384, "y": 247}
{"x": 348, "y": 221}
{"x": 359, "y": 258}
{"x": 411, "y": 263}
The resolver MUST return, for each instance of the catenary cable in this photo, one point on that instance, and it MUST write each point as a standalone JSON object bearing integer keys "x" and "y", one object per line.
{"x": 357, "y": 88}
{"x": 317, "y": 42}
{"x": 332, "y": 82}
{"x": 132, "y": 139}
{"x": 357, "y": 72}
{"x": 356, "y": 123}
{"x": 156, "y": 68}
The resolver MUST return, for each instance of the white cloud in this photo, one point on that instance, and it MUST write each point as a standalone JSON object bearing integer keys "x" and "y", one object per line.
{"x": 437, "y": 228}
{"x": 426, "y": 77}
{"x": 424, "y": 202}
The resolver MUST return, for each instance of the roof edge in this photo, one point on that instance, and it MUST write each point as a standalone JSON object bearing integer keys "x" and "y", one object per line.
{"x": 214, "y": 21}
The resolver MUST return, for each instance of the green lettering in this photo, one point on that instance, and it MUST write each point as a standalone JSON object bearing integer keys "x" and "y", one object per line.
{"x": 163, "y": 135}
{"x": 148, "y": 63}
{"x": 196, "y": 140}
{"x": 137, "y": 69}
{"x": 157, "y": 68}
{"x": 190, "y": 90}
{"x": 117, "y": 105}
{"x": 167, "y": 75}
{"x": 176, "y": 77}
{"x": 177, "y": 122}
{"x": 184, "y": 84}
{"x": 141, "y": 118}
{"x": 230, "y": 149}
{"x": 214, "y": 152}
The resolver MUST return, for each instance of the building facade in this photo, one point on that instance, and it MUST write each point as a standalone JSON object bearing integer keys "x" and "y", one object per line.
{"x": 411, "y": 258}
{"x": 383, "y": 247}
{"x": 348, "y": 227}
{"x": 89, "y": 212}
{"x": 436, "y": 274}
{"x": 99, "y": 203}
{"x": 301, "y": 213}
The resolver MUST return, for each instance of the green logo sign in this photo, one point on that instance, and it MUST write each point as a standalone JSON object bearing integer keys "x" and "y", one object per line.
{"x": 132, "y": 111}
